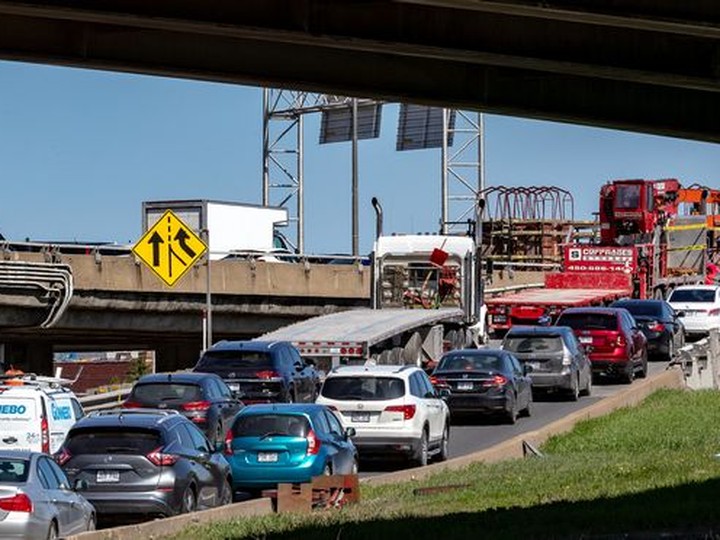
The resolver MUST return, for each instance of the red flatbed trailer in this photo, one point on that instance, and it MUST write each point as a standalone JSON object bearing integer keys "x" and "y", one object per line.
{"x": 562, "y": 290}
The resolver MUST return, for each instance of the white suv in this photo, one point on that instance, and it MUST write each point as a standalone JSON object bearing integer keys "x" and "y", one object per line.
{"x": 394, "y": 409}
{"x": 36, "y": 415}
{"x": 700, "y": 305}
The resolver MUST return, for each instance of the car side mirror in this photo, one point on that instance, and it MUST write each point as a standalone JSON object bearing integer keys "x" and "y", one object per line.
{"x": 350, "y": 432}
{"x": 310, "y": 362}
{"x": 444, "y": 393}
{"x": 219, "y": 447}
{"x": 527, "y": 368}
{"x": 680, "y": 314}
{"x": 81, "y": 485}
{"x": 299, "y": 366}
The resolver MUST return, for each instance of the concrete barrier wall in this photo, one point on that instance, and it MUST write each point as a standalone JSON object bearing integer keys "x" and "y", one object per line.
{"x": 173, "y": 525}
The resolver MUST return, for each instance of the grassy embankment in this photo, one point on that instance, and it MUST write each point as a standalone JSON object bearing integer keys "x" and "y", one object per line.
{"x": 651, "y": 469}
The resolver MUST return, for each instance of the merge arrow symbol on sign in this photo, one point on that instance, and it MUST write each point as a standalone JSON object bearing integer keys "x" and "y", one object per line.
{"x": 182, "y": 237}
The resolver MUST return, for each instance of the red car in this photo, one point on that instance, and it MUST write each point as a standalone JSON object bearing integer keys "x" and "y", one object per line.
{"x": 616, "y": 346}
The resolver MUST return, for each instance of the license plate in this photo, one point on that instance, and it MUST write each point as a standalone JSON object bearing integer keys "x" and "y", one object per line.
{"x": 361, "y": 417}
{"x": 465, "y": 386}
{"x": 108, "y": 476}
{"x": 499, "y": 318}
{"x": 534, "y": 365}
{"x": 585, "y": 339}
{"x": 267, "y": 457}
{"x": 234, "y": 387}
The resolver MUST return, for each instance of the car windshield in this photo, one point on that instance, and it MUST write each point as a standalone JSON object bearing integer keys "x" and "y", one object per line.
{"x": 13, "y": 471}
{"x": 533, "y": 344}
{"x": 588, "y": 321}
{"x": 235, "y": 360}
{"x": 267, "y": 425}
{"x": 643, "y": 309}
{"x": 693, "y": 295}
{"x": 627, "y": 196}
{"x": 122, "y": 440}
{"x": 459, "y": 362}
{"x": 363, "y": 388}
{"x": 166, "y": 392}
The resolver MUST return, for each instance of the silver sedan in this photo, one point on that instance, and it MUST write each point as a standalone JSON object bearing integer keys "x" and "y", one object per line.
{"x": 37, "y": 501}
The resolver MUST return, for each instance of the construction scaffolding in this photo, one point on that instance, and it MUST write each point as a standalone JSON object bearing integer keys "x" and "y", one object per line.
{"x": 529, "y": 225}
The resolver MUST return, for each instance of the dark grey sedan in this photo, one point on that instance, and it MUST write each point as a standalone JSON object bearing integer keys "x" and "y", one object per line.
{"x": 489, "y": 381}
{"x": 557, "y": 360}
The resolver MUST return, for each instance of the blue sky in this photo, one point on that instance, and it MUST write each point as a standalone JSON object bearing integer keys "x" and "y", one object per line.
{"x": 80, "y": 150}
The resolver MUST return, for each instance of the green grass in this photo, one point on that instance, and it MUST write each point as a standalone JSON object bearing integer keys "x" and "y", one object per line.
{"x": 651, "y": 468}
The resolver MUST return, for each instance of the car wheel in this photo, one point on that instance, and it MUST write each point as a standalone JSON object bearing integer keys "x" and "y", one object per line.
{"x": 644, "y": 365}
{"x": 629, "y": 376}
{"x": 189, "y": 500}
{"x": 671, "y": 349}
{"x": 92, "y": 523}
{"x": 574, "y": 393}
{"x": 587, "y": 391}
{"x": 52, "y": 532}
{"x": 219, "y": 433}
{"x": 421, "y": 454}
{"x": 445, "y": 443}
{"x": 511, "y": 413}
{"x": 527, "y": 411}
{"x": 327, "y": 470}
{"x": 355, "y": 467}
{"x": 226, "y": 495}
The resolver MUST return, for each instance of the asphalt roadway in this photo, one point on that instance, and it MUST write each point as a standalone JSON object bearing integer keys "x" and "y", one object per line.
{"x": 467, "y": 437}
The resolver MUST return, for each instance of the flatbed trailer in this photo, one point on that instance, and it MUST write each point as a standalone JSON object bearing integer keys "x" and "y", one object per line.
{"x": 388, "y": 336}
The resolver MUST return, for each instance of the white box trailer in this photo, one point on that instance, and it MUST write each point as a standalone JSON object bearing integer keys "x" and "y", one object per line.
{"x": 232, "y": 226}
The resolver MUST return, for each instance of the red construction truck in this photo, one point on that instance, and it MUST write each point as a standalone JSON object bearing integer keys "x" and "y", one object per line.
{"x": 654, "y": 235}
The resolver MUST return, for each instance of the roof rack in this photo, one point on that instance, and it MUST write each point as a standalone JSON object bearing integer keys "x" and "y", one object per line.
{"x": 33, "y": 379}
{"x": 130, "y": 412}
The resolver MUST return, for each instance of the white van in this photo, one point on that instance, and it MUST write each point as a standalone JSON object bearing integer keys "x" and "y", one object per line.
{"x": 36, "y": 415}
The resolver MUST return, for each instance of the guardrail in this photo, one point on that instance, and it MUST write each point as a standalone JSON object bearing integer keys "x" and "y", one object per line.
{"x": 106, "y": 400}
{"x": 700, "y": 361}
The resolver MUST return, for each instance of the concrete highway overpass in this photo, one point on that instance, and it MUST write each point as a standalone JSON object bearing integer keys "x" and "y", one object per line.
{"x": 635, "y": 65}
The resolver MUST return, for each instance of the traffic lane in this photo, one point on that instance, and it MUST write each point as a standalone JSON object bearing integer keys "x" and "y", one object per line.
{"x": 467, "y": 437}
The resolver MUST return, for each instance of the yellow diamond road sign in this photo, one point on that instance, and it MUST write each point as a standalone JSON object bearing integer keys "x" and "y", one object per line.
{"x": 169, "y": 248}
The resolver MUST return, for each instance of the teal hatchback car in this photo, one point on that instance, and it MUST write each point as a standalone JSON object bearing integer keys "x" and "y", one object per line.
{"x": 287, "y": 443}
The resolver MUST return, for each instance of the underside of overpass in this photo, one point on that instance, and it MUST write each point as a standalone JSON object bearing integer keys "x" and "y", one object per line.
{"x": 649, "y": 66}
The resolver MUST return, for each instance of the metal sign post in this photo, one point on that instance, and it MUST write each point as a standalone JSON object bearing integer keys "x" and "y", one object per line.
{"x": 207, "y": 315}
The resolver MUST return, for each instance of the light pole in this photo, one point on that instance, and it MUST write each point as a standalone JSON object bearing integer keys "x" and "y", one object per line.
{"x": 207, "y": 315}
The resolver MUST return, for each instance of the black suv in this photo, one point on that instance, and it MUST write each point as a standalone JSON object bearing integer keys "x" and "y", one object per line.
{"x": 203, "y": 398}
{"x": 262, "y": 371}
{"x": 146, "y": 462}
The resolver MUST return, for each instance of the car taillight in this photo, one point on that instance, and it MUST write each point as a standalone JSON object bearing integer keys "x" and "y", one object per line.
{"x": 407, "y": 410}
{"x": 267, "y": 374}
{"x": 497, "y": 380}
{"x": 656, "y": 326}
{"x": 196, "y": 406}
{"x": 620, "y": 340}
{"x": 17, "y": 503}
{"x": 129, "y": 404}
{"x": 228, "y": 442}
{"x": 438, "y": 381}
{"x": 44, "y": 436}
{"x": 63, "y": 457}
{"x": 313, "y": 443}
{"x": 156, "y": 457}
{"x": 714, "y": 312}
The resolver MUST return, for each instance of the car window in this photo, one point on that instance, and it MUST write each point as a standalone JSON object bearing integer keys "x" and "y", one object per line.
{"x": 166, "y": 392}
{"x": 363, "y": 388}
{"x": 58, "y": 473}
{"x": 14, "y": 471}
{"x": 257, "y": 425}
{"x": 692, "y": 295}
{"x": 588, "y": 321}
{"x": 47, "y": 476}
{"x": 335, "y": 425}
{"x": 515, "y": 365}
{"x": 426, "y": 386}
{"x": 416, "y": 386}
{"x": 533, "y": 344}
{"x": 223, "y": 389}
{"x": 211, "y": 389}
{"x": 295, "y": 356}
{"x": 463, "y": 362}
{"x": 646, "y": 309}
{"x": 182, "y": 433}
{"x": 571, "y": 342}
{"x": 230, "y": 360}
{"x": 78, "y": 411}
{"x": 321, "y": 422}
{"x": 199, "y": 441}
{"x": 114, "y": 440}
